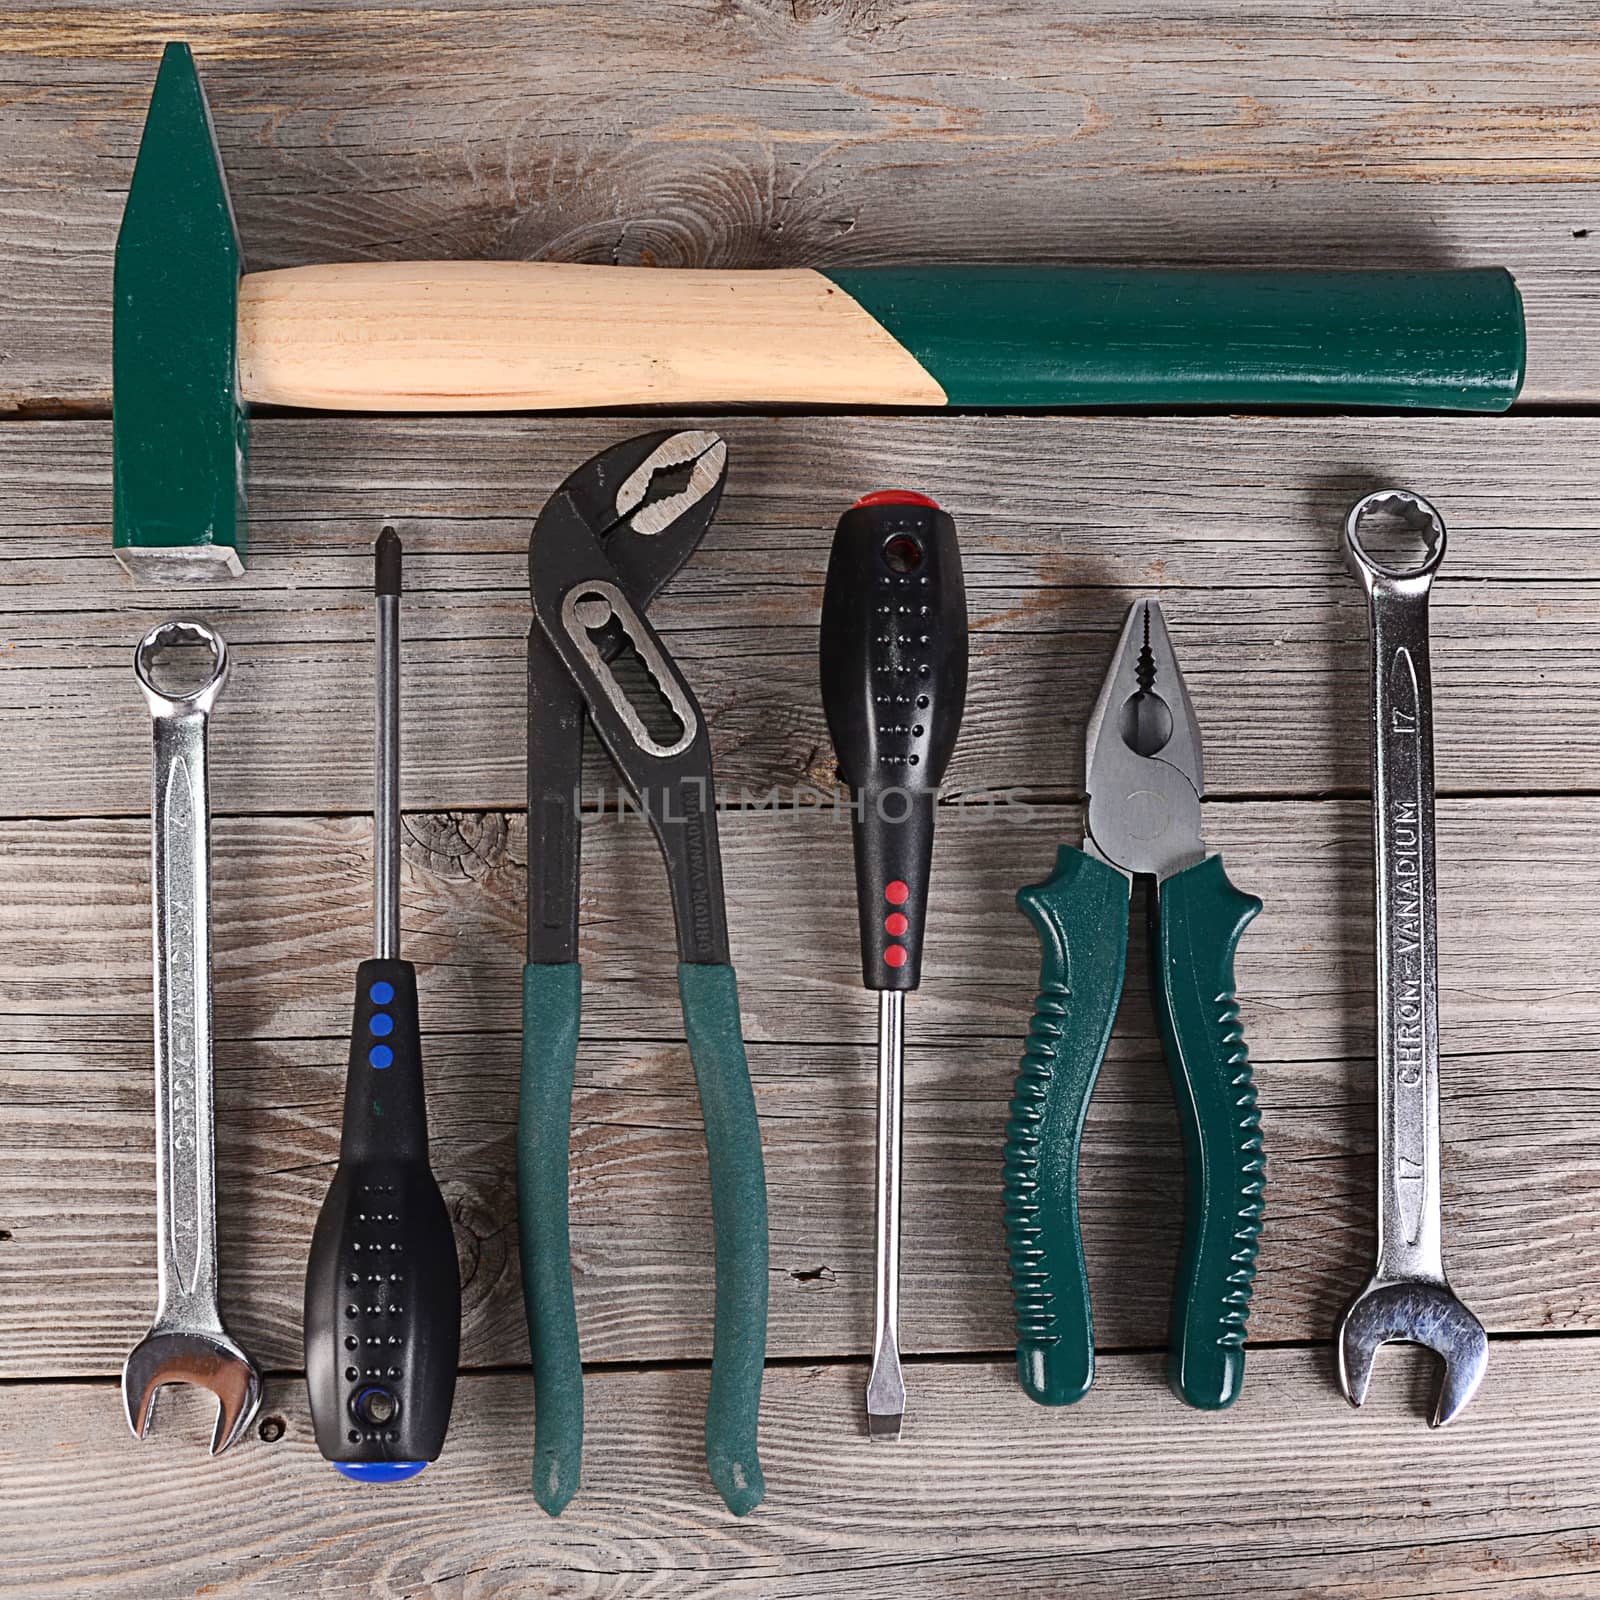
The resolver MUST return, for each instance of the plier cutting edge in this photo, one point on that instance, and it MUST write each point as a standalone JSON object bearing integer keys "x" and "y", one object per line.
{"x": 602, "y": 548}
{"x": 1144, "y": 786}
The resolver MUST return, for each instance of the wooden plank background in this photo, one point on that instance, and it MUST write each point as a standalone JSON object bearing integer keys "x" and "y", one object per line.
{"x": 755, "y": 132}
{"x": 822, "y": 132}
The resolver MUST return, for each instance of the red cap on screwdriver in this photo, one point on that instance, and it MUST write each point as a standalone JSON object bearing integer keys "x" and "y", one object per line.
{"x": 895, "y": 497}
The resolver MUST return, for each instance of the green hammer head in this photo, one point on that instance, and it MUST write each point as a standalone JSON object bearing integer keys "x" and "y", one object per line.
{"x": 179, "y": 426}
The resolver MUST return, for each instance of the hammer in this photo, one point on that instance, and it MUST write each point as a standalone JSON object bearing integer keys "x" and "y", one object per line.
{"x": 196, "y": 340}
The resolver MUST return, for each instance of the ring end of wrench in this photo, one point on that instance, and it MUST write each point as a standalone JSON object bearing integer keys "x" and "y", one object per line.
{"x": 175, "y": 631}
{"x": 1413, "y": 513}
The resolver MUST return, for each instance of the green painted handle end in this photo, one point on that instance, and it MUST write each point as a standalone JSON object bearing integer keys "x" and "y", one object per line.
{"x": 1201, "y": 918}
{"x": 710, "y": 997}
{"x": 551, "y": 1000}
{"x": 1451, "y": 340}
{"x": 1081, "y": 916}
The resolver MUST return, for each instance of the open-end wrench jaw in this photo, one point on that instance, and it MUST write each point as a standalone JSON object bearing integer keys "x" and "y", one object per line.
{"x": 1414, "y": 1312}
{"x": 206, "y": 1360}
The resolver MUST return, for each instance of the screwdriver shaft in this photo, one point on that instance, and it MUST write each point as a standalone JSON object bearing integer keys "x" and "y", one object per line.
{"x": 886, "y": 1389}
{"x": 386, "y": 794}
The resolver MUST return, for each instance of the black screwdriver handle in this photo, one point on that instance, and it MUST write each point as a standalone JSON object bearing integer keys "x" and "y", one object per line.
{"x": 385, "y": 1110}
{"x": 383, "y": 1295}
{"x": 894, "y": 683}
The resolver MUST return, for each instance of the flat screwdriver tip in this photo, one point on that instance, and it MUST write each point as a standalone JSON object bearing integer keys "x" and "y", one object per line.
{"x": 886, "y": 1394}
{"x": 386, "y": 563}
{"x": 884, "y": 1425}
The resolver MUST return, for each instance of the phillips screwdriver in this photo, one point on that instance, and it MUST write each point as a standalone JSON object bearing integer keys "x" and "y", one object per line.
{"x": 894, "y": 681}
{"x": 383, "y": 1290}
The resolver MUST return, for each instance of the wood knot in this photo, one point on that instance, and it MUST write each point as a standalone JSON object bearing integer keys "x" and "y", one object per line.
{"x": 471, "y": 845}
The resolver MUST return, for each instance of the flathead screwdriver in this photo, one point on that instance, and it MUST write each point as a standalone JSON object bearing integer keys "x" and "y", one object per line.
{"x": 894, "y": 683}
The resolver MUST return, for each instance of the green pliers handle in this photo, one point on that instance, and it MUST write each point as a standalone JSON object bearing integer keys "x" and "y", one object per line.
{"x": 710, "y": 997}
{"x": 551, "y": 1001}
{"x": 1197, "y": 920}
{"x": 739, "y": 1220}
{"x": 1081, "y": 915}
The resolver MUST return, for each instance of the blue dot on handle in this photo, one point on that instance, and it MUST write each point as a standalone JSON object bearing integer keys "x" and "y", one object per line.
{"x": 380, "y": 1055}
{"x": 381, "y": 993}
{"x": 382, "y": 1024}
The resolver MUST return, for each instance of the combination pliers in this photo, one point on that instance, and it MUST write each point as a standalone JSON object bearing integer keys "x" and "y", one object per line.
{"x": 603, "y": 546}
{"x": 1144, "y": 788}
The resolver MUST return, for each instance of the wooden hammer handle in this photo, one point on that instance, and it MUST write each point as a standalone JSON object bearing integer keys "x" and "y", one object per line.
{"x": 533, "y": 336}
{"x": 507, "y": 335}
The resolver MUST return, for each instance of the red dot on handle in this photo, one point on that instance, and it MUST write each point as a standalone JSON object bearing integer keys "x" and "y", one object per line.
{"x": 895, "y": 955}
{"x": 896, "y": 893}
{"x": 896, "y": 924}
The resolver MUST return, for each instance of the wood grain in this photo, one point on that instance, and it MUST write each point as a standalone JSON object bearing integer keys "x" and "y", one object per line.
{"x": 820, "y": 133}
{"x": 1521, "y": 1069}
{"x": 1233, "y": 523}
{"x": 544, "y": 335}
{"x": 814, "y": 133}
{"x": 78, "y": 1149}
{"x": 293, "y": 899}
{"x": 1129, "y": 1493}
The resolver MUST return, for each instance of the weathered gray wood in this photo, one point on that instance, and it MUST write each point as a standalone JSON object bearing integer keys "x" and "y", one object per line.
{"x": 767, "y": 132}
{"x": 78, "y": 1159}
{"x": 774, "y": 133}
{"x": 1234, "y": 523}
{"x": 1516, "y": 878}
{"x": 75, "y": 1154}
{"x": 1130, "y": 1493}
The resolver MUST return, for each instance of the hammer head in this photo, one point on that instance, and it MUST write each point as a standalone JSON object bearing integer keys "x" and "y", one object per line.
{"x": 179, "y": 426}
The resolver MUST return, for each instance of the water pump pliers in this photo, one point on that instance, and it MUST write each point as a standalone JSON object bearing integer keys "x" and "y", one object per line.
{"x": 1144, "y": 782}
{"x": 603, "y": 546}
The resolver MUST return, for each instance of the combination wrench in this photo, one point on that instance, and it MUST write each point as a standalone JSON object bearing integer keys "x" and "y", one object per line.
{"x": 1408, "y": 1297}
{"x": 187, "y": 1342}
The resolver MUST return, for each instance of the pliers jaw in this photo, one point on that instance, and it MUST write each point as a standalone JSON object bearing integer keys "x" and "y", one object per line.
{"x": 601, "y": 548}
{"x": 1145, "y": 777}
{"x": 650, "y": 502}
{"x": 662, "y": 488}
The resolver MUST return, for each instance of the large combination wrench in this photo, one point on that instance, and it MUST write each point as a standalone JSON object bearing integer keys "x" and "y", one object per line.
{"x": 187, "y": 1342}
{"x": 1408, "y": 1297}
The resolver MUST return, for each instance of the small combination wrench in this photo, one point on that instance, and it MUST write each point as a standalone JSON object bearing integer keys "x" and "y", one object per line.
{"x": 1408, "y": 1297}
{"x": 187, "y": 1342}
